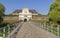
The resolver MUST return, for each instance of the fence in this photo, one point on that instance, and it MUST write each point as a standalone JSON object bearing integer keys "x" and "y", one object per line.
{"x": 5, "y": 31}
{"x": 15, "y": 31}
{"x": 49, "y": 27}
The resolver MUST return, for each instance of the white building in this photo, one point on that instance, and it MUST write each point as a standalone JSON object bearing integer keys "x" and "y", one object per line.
{"x": 25, "y": 15}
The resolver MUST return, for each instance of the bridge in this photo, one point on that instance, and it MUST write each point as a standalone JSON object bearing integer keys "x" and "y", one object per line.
{"x": 30, "y": 30}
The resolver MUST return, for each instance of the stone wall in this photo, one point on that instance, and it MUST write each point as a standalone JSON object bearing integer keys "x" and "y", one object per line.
{"x": 17, "y": 18}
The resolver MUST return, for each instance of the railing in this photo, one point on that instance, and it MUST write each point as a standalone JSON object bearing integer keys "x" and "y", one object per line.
{"x": 14, "y": 32}
{"x": 5, "y": 32}
{"x": 49, "y": 27}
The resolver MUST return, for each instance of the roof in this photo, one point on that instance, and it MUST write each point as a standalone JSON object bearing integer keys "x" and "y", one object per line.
{"x": 19, "y": 11}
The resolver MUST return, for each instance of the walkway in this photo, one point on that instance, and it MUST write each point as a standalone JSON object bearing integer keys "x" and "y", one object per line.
{"x": 29, "y": 30}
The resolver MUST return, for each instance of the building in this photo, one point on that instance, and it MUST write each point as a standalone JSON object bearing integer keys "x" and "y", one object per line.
{"x": 25, "y": 14}
{"x": 17, "y": 11}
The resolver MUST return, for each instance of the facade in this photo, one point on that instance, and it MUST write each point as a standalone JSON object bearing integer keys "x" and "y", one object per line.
{"x": 25, "y": 15}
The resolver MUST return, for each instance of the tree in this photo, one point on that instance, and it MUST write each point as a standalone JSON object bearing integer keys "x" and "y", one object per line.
{"x": 54, "y": 13}
{"x": 2, "y": 10}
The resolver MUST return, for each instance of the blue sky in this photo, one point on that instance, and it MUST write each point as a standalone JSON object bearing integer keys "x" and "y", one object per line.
{"x": 42, "y": 6}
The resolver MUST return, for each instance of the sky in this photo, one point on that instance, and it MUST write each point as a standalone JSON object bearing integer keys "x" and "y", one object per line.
{"x": 41, "y": 6}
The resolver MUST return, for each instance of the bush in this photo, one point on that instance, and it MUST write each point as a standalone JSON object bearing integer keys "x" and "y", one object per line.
{"x": 58, "y": 22}
{"x": 3, "y": 25}
{"x": 54, "y": 13}
{"x": 2, "y": 10}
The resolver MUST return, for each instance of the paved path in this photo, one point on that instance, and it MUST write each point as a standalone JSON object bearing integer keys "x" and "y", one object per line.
{"x": 29, "y": 30}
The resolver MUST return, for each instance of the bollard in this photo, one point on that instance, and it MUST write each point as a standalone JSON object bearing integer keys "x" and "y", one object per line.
{"x": 47, "y": 28}
{"x": 58, "y": 30}
{"x": 14, "y": 26}
{"x": 8, "y": 29}
{"x": 3, "y": 32}
{"x": 51, "y": 28}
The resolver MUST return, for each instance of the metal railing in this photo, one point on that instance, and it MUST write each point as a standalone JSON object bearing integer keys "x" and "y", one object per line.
{"x": 49, "y": 27}
{"x": 14, "y": 32}
{"x": 5, "y": 32}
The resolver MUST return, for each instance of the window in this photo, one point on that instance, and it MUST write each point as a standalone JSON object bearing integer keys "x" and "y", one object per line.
{"x": 25, "y": 16}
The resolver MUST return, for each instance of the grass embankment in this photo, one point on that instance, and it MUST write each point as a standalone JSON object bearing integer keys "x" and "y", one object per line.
{"x": 11, "y": 21}
{"x": 43, "y": 21}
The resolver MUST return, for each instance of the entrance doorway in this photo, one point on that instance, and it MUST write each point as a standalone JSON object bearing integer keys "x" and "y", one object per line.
{"x": 25, "y": 20}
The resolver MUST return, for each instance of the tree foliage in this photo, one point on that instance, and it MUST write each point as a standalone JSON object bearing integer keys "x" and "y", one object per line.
{"x": 2, "y": 10}
{"x": 54, "y": 13}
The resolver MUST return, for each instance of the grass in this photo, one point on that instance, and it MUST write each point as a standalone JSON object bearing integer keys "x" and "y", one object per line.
{"x": 10, "y": 21}
{"x": 39, "y": 21}
{"x": 11, "y": 15}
